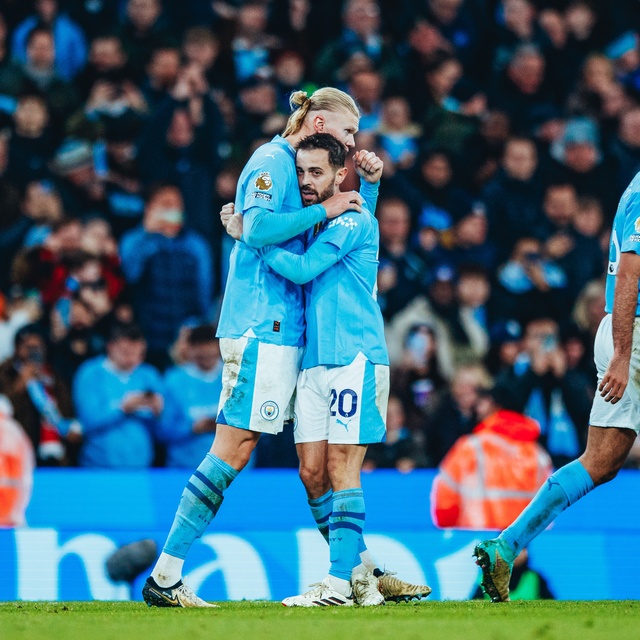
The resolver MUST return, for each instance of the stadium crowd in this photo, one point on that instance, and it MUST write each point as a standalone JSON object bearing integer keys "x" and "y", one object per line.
{"x": 508, "y": 128}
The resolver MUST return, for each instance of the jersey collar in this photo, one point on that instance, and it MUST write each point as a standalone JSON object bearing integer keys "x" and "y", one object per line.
{"x": 285, "y": 144}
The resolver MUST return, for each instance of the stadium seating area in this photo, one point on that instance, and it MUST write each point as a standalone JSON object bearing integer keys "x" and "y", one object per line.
{"x": 509, "y": 129}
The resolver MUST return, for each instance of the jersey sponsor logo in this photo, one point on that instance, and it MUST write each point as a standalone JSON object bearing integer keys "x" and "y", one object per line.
{"x": 276, "y": 326}
{"x": 349, "y": 223}
{"x": 264, "y": 182}
{"x": 269, "y": 410}
{"x": 262, "y": 196}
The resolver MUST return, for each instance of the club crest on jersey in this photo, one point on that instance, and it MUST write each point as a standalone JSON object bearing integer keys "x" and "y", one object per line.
{"x": 269, "y": 410}
{"x": 636, "y": 224}
{"x": 263, "y": 181}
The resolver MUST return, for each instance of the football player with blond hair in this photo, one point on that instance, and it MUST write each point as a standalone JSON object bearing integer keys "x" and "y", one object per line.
{"x": 261, "y": 326}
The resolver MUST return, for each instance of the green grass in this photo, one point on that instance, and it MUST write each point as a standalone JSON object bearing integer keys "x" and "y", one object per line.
{"x": 269, "y": 620}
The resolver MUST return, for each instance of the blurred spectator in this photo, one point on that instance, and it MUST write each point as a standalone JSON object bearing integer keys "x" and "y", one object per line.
{"x": 398, "y": 135}
{"x": 463, "y": 25}
{"x": 31, "y": 144}
{"x": 13, "y": 224}
{"x": 454, "y": 415}
{"x": 83, "y": 315}
{"x": 16, "y": 468}
{"x": 589, "y": 219}
{"x": 257, "y": 116}
{"x": 461, "y": 336}
{"x": 399, "y": 450}
{"x": 107, "y": 63}
{"x": 469, "y": 243}
{"x": 162, "y": 74}
{"x": 542, "y": 386}
{"x": 473, "y": 290}
{"x": 417, "y": 378}
{"x": 142, "y": 31}
{"x": 579, "y": 161}
{"x": 40, "y": 399}
{"x": 81, "y": 188}
{"x": 201, "y": 47}
{"x": 290, "y": 74}
{"x": 626, "y": 149}
{"x": 60, "y": 266}
{"x": 192, "y": 391}
{"x": 181, "y": 144}
{"x": 589, "y": 308}
{"x": 16, "y": 312}
{"x": 37, "y": 74}
{"x": 434, "y": 189}
{"x": 119, "y": 400}
{"x": 361, "y": 35}
{"x": 43, "y": 207}
{"x": 519, "y": 27}
{"x": 401, "y": 274}
{"x": 169, "y": 269}
{"x": 529, "y": 284}
{"x": 522, "y": 93}
{"x": 366, "y": 88}
{"x": 122, "y": 180}
{"x": 70, "y": 44}
{"x": 488, "y": 477}
{"x": 513, "y": 198}
{"x": 303, "y": 25}
{"x": 251, "y": 44}
{"x": 504, "y": 337}
{"x": 578, "y": 256}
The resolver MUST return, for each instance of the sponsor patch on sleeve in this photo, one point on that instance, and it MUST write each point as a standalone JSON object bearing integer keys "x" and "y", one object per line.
{"x": 258, "y": 195}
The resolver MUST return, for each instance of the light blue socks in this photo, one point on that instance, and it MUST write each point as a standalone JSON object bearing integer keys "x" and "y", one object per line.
{"x": 345, "y": 532}
{"x": 199, "y": 504}
{"x": 564, "y": 488}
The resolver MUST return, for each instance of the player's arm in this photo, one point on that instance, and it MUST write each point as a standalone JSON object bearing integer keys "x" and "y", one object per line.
{"x": 261, "y": 227}
{"x": 369, "y": 167}
{"x": 330, "y": 247}
{"x": 625, "y": 301}
{"x": 302, "y": 268}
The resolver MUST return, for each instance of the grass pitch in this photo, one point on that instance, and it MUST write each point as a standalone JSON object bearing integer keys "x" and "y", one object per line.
{"x": 548, "y": 620}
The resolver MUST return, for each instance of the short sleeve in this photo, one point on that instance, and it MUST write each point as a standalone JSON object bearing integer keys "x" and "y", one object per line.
{"x": 345, "y": 232}
{"x": 267, "y": 183}
{"x": 631, "y": 229}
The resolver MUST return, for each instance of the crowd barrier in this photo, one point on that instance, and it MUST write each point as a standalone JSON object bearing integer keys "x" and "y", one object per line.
{"x": 263, "y": 544}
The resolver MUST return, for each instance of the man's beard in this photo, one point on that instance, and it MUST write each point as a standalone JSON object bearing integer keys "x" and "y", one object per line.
{"x": 325, "y": 195}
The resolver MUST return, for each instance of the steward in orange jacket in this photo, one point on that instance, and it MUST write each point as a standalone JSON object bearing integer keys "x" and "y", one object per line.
{"x": 488, "y": 477}
{"x": 16, "y": 468}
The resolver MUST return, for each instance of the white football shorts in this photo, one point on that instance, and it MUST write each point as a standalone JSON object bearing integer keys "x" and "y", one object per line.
{"x": 258, "y": 383}
{"x": 625, "y": 414}
{"x": 343, "y": 405}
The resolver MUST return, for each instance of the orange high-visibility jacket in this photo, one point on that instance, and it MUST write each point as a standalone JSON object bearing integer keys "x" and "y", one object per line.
{"x": 16, "y": 472}
{"x": 489, "y": 476}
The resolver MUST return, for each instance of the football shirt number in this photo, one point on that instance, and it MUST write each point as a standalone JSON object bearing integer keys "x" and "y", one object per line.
{"x": 347, "y": 397}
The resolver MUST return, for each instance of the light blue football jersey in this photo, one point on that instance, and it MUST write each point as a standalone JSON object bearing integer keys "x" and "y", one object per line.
{"x": 340, "y": 267}
{"x": 624, "y": 237}
{"x": 256, "y": 297}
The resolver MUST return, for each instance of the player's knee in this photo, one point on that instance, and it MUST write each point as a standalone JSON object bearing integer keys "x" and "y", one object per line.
{"x": 313, "y": 477}
{"x": 607, "y": 474}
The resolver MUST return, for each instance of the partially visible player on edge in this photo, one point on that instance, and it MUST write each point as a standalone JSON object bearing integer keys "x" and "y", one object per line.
{"x": 615, "y": 414}
{"x": 343, "y": 387}
{"x": 261, "y": 326}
